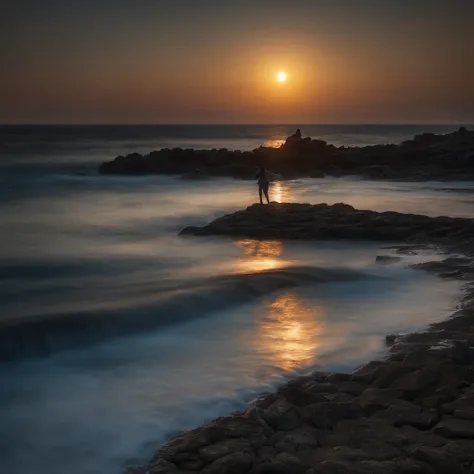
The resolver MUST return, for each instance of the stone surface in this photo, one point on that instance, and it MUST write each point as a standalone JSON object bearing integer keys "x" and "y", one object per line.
{"x": 455, "y": 428}
{"x": 338, "y": 221}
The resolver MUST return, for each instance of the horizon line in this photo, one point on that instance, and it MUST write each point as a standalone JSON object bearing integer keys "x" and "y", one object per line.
{"x": 171, "y": 124}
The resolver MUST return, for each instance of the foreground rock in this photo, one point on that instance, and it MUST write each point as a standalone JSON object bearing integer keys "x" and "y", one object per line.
{"x": 427, "y": 156}
{"x": 339, "y": 221}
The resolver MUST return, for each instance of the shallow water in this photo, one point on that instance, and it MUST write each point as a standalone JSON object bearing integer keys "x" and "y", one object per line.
{"x": 105, "y": 250}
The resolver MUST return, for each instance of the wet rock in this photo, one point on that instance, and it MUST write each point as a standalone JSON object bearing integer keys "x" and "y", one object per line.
{"x": 327, "y": 414}
{"x": 405, "y": 413}
{"x": 303, "y": 437}
{"x": 379, "y": 450}
{"x": 224, "y": 448}
{"x": 235, "y": 463}
{"x": 283, "y": 463}
{"x": 366, "y": 373}
{"x": 332, "y": 454}
{"x": 416, "y": 381}
{"x": 321, "y": 388}
{"x": 159, "y": 467}
{"x": 301, "y": 396}
{"x": 461, "y": 449}
{"x": 329, "y": 467}
{"x": 281, "y": 415}
{"x": 391, "y": 338}
{"x": 392, "y": 467}
{"x": 388, "y": 373}
{"x": 373, "y": 400}
{"x": 266, "y": 454}
{"x": 337, "y": 378}
{"x": 455, "y": 428}
{"x": 352, "y": 388}
{"x": 440, "y": 461}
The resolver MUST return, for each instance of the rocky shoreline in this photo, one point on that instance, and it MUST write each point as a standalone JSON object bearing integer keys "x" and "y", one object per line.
{"x": 411, "y": 412}
{"x": 425, "y": 157}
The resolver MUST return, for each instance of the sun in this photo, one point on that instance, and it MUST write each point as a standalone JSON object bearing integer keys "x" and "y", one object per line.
{"x": 281, "y": 77}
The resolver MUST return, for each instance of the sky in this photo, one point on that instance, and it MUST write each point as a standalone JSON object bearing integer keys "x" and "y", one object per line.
{"x": 209, "y": 61}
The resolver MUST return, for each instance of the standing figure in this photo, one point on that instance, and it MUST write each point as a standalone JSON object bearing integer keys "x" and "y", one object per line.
{"x": 263, "y": 183}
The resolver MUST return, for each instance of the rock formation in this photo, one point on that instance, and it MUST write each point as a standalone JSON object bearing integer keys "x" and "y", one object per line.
{"x": 426, "y": 156}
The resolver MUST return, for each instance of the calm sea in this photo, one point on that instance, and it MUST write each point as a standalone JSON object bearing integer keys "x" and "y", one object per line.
{"x": 116, "y": 333}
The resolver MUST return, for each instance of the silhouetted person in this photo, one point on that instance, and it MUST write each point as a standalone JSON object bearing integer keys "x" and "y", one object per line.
{"x": 297, "y": 134}
{"x": 263, "y": 183}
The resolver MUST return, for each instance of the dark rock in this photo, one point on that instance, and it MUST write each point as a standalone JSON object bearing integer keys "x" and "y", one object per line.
{"x": 281, "y": 415}
{"x": 393, "y": 467}
{"x": 373, "y": 399}
{"x": 337, "y": 378}
{"x": 352, "y": 388}
{"x": 356, "y": 433}
{"x": 366, "y": 373}
{"x": 391, "y": 338}
{"x": 387, "y": 259}
{"x": 235, "y": 463}
{"x": 388, "y": 373}
{"x": 283, "y": 463}
{"x": 405, "y": 413}
{"x": 455, "y": 428}
{"x": 327, "y": 414}
{"x": 427, "y": 156}
{"x": 303, "y": 437}
{"x": 224, "y": 448}
{"x": 332, "y": 454}
{"x": 321, "y": 388}
{"x": 461, "y": 449}
{"x": 440, "y": 461}
{"x": 329, "y": 467}
{"x": 301, "y": 396}
{"x": 416, "y": 381}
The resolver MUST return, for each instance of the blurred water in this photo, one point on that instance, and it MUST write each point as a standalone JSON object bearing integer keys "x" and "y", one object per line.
{"x": 106, "y": 249}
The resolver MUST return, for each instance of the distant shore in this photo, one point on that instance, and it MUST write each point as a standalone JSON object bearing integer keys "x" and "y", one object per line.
{"x": 409, "y": 412}
{"x": 427, "y": 156}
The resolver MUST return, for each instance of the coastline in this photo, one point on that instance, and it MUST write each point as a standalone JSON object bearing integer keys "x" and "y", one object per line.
{"x": 408, "y": 412}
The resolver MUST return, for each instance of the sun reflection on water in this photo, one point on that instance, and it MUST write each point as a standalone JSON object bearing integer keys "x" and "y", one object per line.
{"x": 274, "y": 142}
{"x": 290, "y": 332}
{"x": 260, "y": 255}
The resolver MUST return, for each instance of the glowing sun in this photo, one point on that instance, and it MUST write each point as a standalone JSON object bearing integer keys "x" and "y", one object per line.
{"x": 281, "y": 77}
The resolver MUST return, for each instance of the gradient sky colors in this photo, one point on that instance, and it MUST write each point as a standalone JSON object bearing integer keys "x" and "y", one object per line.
{"x": 209, "y": 61}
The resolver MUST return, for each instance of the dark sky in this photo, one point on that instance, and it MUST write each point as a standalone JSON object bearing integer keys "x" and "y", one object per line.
{"x": 205, "y": 61}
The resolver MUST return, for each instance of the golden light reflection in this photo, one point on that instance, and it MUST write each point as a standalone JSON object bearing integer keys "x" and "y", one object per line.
{"x": 274, "y": 142}
{"x": 280, "y": 191}
{"x": 290, "y": 332}
{"x": 277, "y": 192}
{"x": 260, "y": 255}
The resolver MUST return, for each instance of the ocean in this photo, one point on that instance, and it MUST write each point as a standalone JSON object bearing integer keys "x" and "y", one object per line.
{"x": 116, "y": 333}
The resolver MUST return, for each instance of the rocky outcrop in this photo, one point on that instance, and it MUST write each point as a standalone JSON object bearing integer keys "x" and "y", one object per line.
{"x": 426, "y": 156}
{"x": 339, "y": 221}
